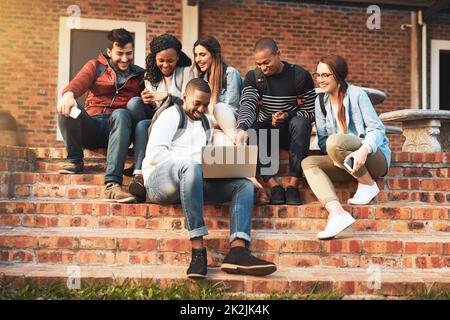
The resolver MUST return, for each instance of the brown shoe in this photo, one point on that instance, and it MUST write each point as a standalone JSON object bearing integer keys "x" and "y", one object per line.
{"x": 136, "y": 186}
{"x": 114, "y": 192}
{"x": 261, "y": 197}
{"x": 71, "y": 168}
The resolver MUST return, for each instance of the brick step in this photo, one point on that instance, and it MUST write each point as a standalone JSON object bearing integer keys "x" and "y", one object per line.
{"x": 91, "y": 186}
{"x": 398, "y": 169}
{"x": 99, "y": 166}
{"x": 417, "y": 157}
{"x": 382, "y": 282}
{"x": 288, "y": 249}
{"x": 384, "y": 218}
{"x": 60, "y": 153}
{"x": 404, "y": 164}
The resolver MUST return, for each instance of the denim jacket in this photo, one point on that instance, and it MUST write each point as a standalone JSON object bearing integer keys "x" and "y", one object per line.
{"x": 362, "y": 121}
{"x": 231, "y": 95}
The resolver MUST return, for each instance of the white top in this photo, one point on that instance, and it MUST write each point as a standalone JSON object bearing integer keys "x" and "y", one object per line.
{"x": 161, "y": 148}
{"x": 167, "y": 84}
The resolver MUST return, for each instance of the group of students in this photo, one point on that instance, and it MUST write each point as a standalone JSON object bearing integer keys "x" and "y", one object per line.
{"x": 174, "y": 107}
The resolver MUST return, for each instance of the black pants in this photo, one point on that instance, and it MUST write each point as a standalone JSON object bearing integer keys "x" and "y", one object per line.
{"x": 294, "y": 136}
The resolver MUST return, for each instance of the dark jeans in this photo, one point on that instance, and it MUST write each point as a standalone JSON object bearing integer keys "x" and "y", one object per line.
{"x": 101, "y": 131}
{"x": 294, "y": 136}
{"x": 141, "y": 115}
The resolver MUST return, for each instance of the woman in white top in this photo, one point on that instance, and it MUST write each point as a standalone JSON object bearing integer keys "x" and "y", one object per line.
{"x": 168, "y": 70}
{"x": 226, "y": 86}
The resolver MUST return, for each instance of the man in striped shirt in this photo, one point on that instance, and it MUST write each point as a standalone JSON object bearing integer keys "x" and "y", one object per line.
{"x": 277, "y": 99}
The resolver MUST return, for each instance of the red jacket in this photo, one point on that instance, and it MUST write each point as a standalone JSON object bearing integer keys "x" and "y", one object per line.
{"x": 102, "y": 96}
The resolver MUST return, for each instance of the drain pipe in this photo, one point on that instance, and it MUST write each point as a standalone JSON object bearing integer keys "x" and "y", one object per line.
{"x": 424, "y": 61}
{"x": 415, "y": 78}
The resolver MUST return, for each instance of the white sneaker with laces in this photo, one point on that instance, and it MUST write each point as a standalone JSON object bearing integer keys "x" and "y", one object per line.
{"x": 364, "y": 194}
{"x": 336, "y": 224}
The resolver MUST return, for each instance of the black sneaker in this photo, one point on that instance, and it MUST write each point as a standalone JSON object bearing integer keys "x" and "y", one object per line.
{"x": 136, "y": 186}
{"x": 198, "y": 267}
{"x": 140, "y": 199}
{"x": 240, "y": 261}
{"x": 293, "y": 196}
{"x": 128, "y": 171}
{"x": 277, "y": 195}
{"x": 71, "y": 168}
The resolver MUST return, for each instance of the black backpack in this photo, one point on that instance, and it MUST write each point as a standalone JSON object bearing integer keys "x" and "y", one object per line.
{"x": 175, "y": 102}
{"x": 322, "y": 103}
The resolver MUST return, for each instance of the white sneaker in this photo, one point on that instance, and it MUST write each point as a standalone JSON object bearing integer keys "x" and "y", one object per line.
{"x": 364, "y": 194}
{"x": 336, "y": 224}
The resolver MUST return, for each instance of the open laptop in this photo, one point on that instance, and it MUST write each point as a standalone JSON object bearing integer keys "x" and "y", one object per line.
{"x": 229, "y": 161}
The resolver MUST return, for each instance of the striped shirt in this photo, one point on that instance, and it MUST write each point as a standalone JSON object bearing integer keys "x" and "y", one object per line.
{"x": 292, "y": 91}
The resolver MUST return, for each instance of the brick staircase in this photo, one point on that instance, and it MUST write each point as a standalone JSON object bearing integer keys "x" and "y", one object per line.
{"x": 50, "y": 222}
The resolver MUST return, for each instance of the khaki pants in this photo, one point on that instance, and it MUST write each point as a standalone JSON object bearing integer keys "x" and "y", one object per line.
{"x": 320, "y": 171}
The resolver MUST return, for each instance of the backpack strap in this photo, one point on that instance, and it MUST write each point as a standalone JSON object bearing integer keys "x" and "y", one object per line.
{"x": 182, "y": 124}
{"x": 260, "y": 81}
{"x": 261, "y": 84}
{"x": 178, "y": 77}
{"x": 322, "y": 104}
{"x": 175, "y": 102}
{"x": 207, "y": 127}
{"x": 297, "y": 80}
{"x": 101, "y": 68}
{"x": 167, "y": 103}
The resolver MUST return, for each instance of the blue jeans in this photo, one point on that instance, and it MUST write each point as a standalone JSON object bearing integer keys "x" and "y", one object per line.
{"x": 141, "y": 114}
{"x": 182, "y": 181}
{"x": 101, "y": 131}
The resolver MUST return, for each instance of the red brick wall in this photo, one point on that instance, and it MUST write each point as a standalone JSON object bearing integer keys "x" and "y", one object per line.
{"x": 29, "y": 48}
{"x": 304, "y": 32}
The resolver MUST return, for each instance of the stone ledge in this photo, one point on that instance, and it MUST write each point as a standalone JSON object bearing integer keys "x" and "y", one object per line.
{"x": 424, "y": 130}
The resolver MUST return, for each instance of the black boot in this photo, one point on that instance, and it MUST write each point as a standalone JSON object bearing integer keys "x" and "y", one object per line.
{"x": 198, "y": 267}
{"x": 240, "y": 260}
{"x": 277, "y": 195}
{"x": 293, "y": 196}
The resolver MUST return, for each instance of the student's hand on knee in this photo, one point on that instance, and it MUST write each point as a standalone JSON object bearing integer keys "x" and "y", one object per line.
{"x": 241, "y": 138}
{"x": 66, "y": 103}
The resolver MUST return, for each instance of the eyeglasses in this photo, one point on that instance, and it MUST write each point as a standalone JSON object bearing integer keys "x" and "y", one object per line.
{"x": 316, "y": 75}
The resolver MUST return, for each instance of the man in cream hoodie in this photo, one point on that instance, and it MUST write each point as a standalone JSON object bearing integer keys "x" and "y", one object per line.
{"x": 173, "y": 173}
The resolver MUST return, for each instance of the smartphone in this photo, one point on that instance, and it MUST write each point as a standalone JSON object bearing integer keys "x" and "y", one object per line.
{"x": 159, "y": 96}
{"x": 349, "y": 164}
{"x": 74, "y": 112}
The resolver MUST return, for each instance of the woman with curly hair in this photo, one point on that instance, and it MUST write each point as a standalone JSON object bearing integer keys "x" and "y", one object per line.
{"x": 226, "y": 86}
{"x": 168, "y": 70}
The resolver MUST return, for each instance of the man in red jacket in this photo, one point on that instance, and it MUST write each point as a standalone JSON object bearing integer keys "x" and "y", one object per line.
{"x": 110, "y": 82}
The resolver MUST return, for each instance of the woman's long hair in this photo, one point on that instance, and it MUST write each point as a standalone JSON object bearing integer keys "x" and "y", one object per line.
{"x": 338, "y": 66}
{"x": 218, "y": 67}
{"x": 158, "y": 44}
